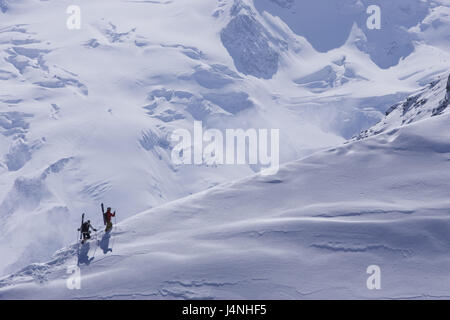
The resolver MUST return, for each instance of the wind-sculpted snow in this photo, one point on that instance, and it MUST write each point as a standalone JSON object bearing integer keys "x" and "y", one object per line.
{"x": 329, "y": 77}
{"x": 188, "y": 51}
{"x": 215, "y": 78}
{"x": 14, "y": 122}
{"x": 16, "y": 125}
{"x": 199, "y": 107}
{"x": 232, "y": 102}
{"x": 59, "y": 82}
{"x": 150, "y": 140}
{"x": 21, "y": 58}
{"x": 20, "y": 153}
{"x": 114, "y": 36}
{"x": 27, "y": 193}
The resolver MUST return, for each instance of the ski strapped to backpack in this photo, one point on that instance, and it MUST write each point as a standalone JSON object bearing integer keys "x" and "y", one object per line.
{"x": 81, "y": 227}
{"x": 104, "y": 215}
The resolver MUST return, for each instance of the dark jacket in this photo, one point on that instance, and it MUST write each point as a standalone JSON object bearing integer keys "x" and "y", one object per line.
{"x": 86, "y": 226}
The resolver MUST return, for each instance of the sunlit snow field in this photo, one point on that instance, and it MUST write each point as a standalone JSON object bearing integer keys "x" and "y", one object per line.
{"x": 86, "y": 117}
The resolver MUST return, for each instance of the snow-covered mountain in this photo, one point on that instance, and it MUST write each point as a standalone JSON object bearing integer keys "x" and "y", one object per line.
{"x": 310, "y": 231}
{"x": 431, "y": 101}
{"x": 86, "y": 115}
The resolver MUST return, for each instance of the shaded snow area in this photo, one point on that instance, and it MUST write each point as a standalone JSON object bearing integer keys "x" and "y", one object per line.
{"x": 86, "y": 117}
{"x": 309, "y": 231}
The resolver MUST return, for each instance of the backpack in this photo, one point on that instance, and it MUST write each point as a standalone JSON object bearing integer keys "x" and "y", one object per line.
{"x": 85, "y": 227}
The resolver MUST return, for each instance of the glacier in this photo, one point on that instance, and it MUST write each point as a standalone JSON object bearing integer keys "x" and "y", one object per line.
{"x": 86, "y": 117}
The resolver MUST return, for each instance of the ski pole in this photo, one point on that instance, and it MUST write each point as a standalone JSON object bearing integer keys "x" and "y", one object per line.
{"x": 115, "y": 218}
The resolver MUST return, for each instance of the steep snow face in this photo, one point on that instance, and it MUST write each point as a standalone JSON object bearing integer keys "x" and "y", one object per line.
{"x": 327, "y": 25}
{"x": 309, "y": 232}
{"x": 100, "y": 103}
{"x": 429, "y": 102}
{"x": 247, "y": 42}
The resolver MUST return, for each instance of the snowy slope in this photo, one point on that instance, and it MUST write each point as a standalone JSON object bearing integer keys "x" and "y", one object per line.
{"x": 95, "y": 108}
{"x": 86, "y": 115}
{"x": 430, "y": 101}
{"x": 308, "y": 232}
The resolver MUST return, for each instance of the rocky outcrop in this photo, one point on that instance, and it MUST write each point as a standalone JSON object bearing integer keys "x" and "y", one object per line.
{"x": 431, "y": 101}
{"x": 249, "y": 45}
{"x": 448, "y": 89}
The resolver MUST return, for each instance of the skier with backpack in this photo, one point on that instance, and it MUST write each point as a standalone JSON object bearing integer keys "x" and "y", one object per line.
{"x": 85, "y": 230}
{"x": 107, "y": 218}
